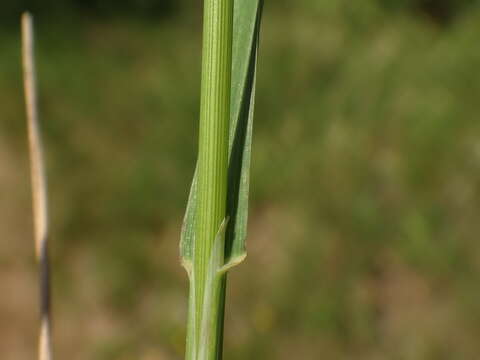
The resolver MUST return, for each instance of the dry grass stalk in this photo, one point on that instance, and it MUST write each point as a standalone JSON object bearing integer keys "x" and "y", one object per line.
{"x": 39, "y": 187}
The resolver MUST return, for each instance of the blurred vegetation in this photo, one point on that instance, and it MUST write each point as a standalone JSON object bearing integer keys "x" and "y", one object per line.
{"x": 365, "y": 182}
{"x": 90, "y": 9}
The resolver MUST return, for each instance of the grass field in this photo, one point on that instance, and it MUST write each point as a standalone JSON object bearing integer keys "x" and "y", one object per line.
{"x": 365, "y": 187}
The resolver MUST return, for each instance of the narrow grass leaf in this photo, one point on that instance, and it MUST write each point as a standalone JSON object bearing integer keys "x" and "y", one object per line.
{"x": 247, "y": 16}
{"x": 220, "y": 185}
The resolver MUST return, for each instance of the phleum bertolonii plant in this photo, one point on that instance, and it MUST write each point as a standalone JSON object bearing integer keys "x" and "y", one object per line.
{"x": 215, "y": 224}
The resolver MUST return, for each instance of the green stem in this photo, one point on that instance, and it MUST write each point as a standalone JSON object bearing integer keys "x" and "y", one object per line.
{"x": 207, "y": 296}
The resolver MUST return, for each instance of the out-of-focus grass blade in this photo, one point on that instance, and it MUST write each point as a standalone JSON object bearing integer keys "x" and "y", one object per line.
{"x": 39, "y": 187}
{"x": 247, "y": 14}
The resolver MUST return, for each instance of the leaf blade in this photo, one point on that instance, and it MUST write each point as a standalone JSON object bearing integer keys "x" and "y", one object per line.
{"x": 247, "y": 16}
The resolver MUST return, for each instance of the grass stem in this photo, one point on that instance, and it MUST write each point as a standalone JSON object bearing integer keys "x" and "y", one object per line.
{"x": 39, "y": 187}
{"x": 212, "y": 176}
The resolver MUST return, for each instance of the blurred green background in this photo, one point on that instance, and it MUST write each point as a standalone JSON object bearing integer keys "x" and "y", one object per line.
{"x": 365, "y": 203}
